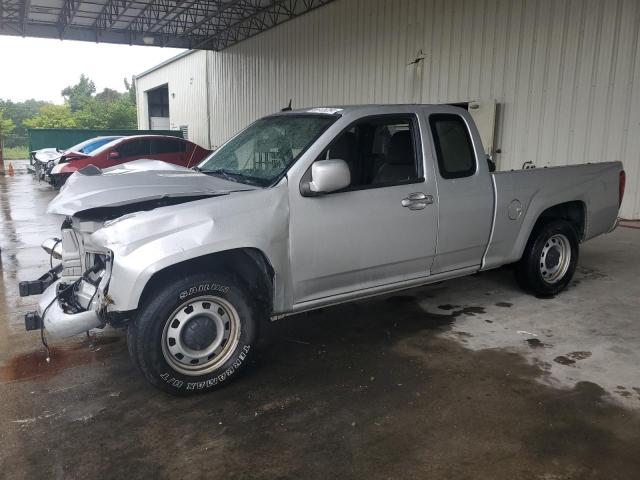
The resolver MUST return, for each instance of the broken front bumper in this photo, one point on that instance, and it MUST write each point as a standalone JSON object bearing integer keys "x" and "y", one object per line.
{"x": 65, "y": 308}
{"x": 36, "y": 287}
{"x": 55, "y": 320}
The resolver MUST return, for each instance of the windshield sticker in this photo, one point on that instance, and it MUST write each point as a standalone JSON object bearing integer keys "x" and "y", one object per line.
{"x": 329, "y": 111}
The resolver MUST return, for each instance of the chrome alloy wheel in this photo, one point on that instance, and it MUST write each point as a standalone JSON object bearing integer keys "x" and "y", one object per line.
{"x": 555, "y": 258}
{"x": 200, "y": 335}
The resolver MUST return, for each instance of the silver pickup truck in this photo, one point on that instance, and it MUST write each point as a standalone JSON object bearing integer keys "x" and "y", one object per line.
{"x": 301, "y": 210}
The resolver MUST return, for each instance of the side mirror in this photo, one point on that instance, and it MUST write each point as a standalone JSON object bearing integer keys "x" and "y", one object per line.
{"x": 327, "y": 176}
{"x": 53, "y": 246}
{"x": 114, "y": 155}
{"x": 492, "y": 164}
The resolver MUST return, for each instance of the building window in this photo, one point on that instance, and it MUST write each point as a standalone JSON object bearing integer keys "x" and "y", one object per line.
{"x": 159, "y": 101}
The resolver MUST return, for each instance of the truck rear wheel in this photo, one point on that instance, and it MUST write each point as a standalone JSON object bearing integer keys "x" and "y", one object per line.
{"x": 550, "y": 258}
{"x": 195, "y": 335}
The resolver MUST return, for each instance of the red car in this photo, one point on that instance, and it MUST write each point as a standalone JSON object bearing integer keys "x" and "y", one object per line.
{"x": 126, "y": 149}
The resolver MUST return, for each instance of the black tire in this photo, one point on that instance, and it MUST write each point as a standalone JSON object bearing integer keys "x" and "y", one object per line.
{"x": 55, "y": 182}
{"x": 131, "y": 345}
{"x": 153, "y": 331}
{"x": 532, "y": 272}
{"x": 58, "y": 180}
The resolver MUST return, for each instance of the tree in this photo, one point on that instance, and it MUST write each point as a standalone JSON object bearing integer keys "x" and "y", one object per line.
{"x": 130, "y": 87}
{"x": 122, "y": 114}
{"x": 18, "y": 112}
{"x": 108, "y": 95}
{"x": 76, "y": 96}
{"x": 6, "y": 125}
{"x": 52, "y": 116}
{"x": 114, "y": 114}
{"x": 108, "y": 109}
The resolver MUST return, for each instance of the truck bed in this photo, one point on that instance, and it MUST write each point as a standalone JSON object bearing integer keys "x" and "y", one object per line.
{"x": 595, "y": 186}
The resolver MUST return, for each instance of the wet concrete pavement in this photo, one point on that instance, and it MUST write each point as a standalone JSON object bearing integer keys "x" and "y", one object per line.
{"x": 464, "y": 379}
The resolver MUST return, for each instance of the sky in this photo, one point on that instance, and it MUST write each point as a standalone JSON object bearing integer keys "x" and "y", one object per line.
{"x": 40, "y": 68}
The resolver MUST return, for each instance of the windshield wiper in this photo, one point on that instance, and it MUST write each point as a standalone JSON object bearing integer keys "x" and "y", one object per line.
{"x": 233, "y": 176}
{"x": 220, "y": 172}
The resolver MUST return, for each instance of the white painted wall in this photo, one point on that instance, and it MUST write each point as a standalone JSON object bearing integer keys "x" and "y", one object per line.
{"x": 565, "y": 73}
{"x": 187, "y": 81}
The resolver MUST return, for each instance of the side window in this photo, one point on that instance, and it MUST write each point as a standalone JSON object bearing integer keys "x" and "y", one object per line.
{"x": 380, "y": 151}
{"x": 167, "y": 145}
{"x": 456, "y": 158}
{"x": 94, "y": 145}
{"x": 134, "y": 148}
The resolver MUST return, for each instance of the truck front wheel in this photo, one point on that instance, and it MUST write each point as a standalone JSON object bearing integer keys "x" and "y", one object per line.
{"x": 550, "y": 258}
{"x": 195, "y": 335}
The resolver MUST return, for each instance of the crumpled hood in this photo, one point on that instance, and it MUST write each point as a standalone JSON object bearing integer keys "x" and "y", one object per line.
{"x": 45, "y": 154}
{"x": 133, "y": 182}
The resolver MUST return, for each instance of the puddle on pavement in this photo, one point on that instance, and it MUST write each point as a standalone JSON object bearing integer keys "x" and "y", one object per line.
{"x": 366, "y": 381}
{"x": 458, "y": 310}
{"x": 579, "y": 355}
{"x": 504, "y": 304}
{"x": 448, "y": 306}
{"x": 34, "y": 364}
{"x": 535, "y": 343}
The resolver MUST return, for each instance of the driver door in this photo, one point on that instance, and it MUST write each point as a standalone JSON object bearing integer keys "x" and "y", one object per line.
{"x": 380, "y": 230}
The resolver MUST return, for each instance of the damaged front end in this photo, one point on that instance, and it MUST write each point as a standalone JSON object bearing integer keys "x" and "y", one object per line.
{"x": 75, "y": 292}
{"x": 124, "y": 224}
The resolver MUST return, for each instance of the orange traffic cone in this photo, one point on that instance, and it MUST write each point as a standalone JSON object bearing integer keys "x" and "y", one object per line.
{"x": 10, "y": 170}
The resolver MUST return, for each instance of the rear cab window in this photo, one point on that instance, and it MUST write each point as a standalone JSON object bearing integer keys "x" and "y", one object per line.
{"x": 454, "y": 148}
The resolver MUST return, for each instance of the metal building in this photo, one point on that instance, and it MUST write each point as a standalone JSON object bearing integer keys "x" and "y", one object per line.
{"x": 565, "y": 74}
{"x": 175, "y": 94}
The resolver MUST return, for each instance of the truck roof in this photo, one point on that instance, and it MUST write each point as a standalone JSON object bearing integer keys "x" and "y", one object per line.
{"x": 348, "y": 109}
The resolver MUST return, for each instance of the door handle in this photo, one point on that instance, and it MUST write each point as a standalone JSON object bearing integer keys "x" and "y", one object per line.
{"x": 417, "y": 201}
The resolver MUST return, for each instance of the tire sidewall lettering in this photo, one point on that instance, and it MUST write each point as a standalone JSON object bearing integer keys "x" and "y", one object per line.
{"x": 174, "y": 382}
{"x": 202, "y": 288}
{"x": 225, "y": 375}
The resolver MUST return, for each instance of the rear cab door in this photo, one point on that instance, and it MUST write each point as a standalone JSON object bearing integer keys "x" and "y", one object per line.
{"x": 465, "y": 189}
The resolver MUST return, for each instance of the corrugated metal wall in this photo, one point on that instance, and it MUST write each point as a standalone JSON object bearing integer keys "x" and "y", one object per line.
{"x": 187, "y": 81}
{"x": 565, "y": 73}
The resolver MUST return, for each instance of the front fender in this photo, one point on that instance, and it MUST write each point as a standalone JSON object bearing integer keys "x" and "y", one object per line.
{"x": 148, "y": 242}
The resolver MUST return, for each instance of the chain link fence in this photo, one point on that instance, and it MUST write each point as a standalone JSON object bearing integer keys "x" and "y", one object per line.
{"x": 14, "y": 147}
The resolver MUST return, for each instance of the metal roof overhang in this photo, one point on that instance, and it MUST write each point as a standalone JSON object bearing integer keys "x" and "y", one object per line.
{"x": 206, "y": 25}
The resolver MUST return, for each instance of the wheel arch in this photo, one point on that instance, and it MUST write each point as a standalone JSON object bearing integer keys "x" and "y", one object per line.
{"x": 574, "y": 211}
{"x": 250, "y": 264}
